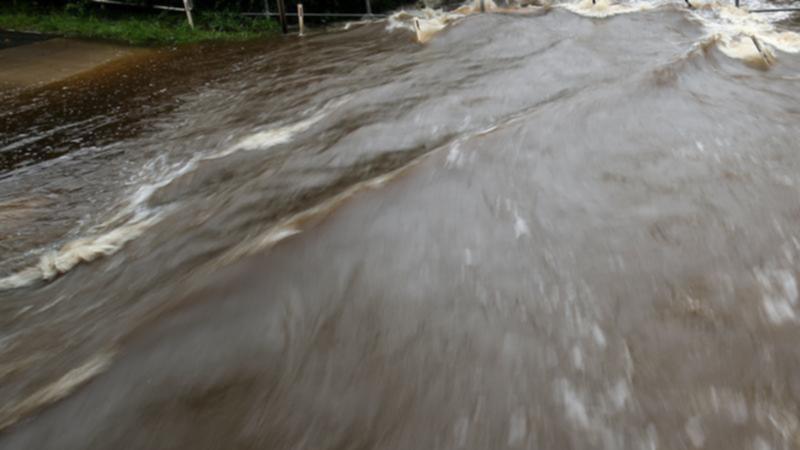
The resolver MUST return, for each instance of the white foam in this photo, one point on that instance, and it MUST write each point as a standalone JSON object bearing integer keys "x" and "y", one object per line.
{"x": 739, "y": 34}
{"x": 520, "y": 226}
{"x": 779, "y": 294}
{"x": 426, "y": 23}
{"x": 401, "y": 20}
{"x": 599, "y": 337}
{"x": 271, "y": 137}
{"x": 135, "y": 217}
{"x": 743, "y": 35}
{"x": 54, "y": 263}
{"x": 574, "y": 407}
{"x": 605, "y": 8}
{"x": 455, "y": 157}
{"x": 426, "y": 29}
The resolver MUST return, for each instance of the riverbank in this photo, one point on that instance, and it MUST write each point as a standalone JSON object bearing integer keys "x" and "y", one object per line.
{"x": 136, "y": 29}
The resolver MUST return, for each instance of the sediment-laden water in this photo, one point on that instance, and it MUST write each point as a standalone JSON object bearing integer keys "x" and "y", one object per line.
{"x": 559, "y": 226}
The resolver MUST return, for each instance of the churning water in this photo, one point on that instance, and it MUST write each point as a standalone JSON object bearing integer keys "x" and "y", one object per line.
{"x": 567, "y": 225}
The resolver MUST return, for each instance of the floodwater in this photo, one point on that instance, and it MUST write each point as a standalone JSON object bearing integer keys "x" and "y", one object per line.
{"x": 563, "y": 227}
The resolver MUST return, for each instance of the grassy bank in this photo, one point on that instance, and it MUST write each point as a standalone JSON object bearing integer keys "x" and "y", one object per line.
{"x": 135, "y": 28}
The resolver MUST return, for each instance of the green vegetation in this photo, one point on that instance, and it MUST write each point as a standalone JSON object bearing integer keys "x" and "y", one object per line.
{"x": 140, "y": 28}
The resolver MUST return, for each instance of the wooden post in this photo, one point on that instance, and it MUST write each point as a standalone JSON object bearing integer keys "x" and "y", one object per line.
{"x": 266, "y": 8}
{"x": 282, "y": 15}
{"x": 300, "y": 20}
{"x": 758, "y": 46}
{"x": 369, "y": 9}
{"x": 187, "y": 6}
{"x": 737, "y": 3}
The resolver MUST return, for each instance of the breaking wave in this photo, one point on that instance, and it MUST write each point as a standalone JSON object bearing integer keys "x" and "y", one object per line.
{"x": 606, "y": 8}
{"x": 136, "y": 217}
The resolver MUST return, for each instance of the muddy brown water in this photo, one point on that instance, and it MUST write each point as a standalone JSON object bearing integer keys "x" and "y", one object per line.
{"x": 537, "y": 231}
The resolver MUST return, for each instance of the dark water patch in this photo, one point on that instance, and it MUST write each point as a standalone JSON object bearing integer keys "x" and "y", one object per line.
{"x": 10, "y": 39}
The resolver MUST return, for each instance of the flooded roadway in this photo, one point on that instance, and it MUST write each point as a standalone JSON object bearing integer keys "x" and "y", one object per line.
{"x": 568, "y": 228}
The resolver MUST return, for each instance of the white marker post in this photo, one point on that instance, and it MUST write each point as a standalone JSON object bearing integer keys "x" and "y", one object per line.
{"x": 187, "y": 5}
{"x": 300, "y": 20}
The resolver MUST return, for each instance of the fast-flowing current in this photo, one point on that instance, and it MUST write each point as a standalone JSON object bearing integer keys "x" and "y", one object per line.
{"x": 561, "y": 226}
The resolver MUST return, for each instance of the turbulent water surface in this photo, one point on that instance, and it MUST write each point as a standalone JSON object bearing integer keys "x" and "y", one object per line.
{"x": 547, "y": 227}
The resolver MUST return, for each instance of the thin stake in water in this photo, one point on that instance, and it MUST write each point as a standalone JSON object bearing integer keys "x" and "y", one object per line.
{"x": 300, "y": 20}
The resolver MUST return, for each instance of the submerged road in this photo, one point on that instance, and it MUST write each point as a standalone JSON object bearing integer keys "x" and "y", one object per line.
{"x": 541, "y": 230}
